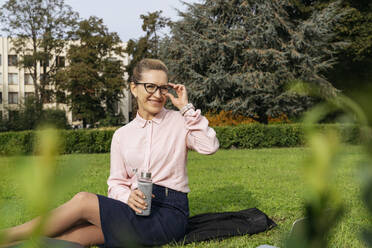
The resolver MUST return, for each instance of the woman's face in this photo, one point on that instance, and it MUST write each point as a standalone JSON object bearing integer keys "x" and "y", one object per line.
{"x": 150, "y": 104}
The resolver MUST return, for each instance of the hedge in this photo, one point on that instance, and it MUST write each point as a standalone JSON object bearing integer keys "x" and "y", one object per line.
{"x": 241, "y": 136}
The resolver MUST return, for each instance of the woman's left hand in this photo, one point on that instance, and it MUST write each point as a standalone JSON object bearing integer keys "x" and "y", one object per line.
{"x": 181, "y": 100}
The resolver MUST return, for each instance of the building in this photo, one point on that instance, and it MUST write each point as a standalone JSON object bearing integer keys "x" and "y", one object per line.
{"x": 16, "y": 84}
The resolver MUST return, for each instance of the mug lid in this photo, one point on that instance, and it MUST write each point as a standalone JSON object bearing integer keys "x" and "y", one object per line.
{"x": 146, "y": 175}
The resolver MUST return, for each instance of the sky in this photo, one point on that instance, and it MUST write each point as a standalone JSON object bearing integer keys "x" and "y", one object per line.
{"x": 123, "y": 16}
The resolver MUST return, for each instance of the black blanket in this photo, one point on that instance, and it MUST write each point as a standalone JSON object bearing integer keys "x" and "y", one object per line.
{"x": 210, "y": 226}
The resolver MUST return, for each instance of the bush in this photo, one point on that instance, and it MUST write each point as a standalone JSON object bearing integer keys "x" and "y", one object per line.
{"x": 16, "y": 142}
{"x": 242, "y": 136}
{"x": 54, "y": 117}
{"x": 27, "y": 117}
{"x": 227, "y": 118}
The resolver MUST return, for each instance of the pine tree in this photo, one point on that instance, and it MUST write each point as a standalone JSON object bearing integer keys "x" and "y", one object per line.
{"x": 353, "y": 70}
{"x": 239, "y": 55}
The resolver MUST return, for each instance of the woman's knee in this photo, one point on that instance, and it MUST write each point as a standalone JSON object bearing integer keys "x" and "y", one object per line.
{"x": 84, "y": 197}
{"x": 87, "y": 204}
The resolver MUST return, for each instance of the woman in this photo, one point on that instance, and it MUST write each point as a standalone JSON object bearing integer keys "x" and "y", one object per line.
{"x": 156, "y": 141}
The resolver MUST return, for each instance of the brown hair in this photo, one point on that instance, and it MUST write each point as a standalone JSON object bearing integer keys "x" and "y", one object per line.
{"x": 145, "y": 65}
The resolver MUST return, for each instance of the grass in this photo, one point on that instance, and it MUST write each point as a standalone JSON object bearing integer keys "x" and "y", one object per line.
{"x": 269, "y": 179}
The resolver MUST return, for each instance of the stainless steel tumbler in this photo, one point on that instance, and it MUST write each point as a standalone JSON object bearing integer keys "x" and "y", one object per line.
{"x": 145, "y": 185}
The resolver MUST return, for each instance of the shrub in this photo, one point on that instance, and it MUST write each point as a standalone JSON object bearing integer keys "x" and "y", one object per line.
{"x": 241, "y": 136}
{"x": 27, "y": 117}
{"x": 55, "y": 117}
{"x": 227, "y": 118}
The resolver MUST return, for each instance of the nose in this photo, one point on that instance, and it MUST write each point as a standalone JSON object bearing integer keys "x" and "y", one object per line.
{"x": 157, "y": 93}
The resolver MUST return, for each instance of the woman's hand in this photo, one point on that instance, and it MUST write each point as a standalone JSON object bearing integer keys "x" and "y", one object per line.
{"x": 136, "y": 201}
{"x": 181, "y": 100}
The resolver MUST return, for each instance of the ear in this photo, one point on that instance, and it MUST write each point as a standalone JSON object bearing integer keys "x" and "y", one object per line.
{"x": 133, "y": 89}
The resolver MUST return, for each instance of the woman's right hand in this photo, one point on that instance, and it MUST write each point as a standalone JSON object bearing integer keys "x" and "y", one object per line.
{"x": 136, "y": 201}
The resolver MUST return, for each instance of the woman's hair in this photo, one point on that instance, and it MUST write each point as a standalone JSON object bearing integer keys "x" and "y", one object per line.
{"x": 145, "y": 65}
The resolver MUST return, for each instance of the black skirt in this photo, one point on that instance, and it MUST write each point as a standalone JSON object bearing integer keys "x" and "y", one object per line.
{"x": 167, "y": 222}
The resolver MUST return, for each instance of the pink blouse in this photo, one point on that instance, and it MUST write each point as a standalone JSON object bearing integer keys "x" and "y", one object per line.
{"x": 159, "y": 146}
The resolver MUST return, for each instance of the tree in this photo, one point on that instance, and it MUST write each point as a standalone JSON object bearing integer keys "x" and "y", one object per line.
{"x": 148, "y": 45}
{"x": 353, "y": 69}
{"x": 94, "y": 78}
{"x": 239, "y": 55}
{"x": 39, "y": 31}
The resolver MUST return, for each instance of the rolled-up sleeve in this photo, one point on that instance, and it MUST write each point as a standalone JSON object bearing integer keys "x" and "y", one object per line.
{"x": 118, "y": 182}
{"x": 200, "y": 137}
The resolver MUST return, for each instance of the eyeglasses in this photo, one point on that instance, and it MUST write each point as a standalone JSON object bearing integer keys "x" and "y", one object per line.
{"x": 152, "y": 88}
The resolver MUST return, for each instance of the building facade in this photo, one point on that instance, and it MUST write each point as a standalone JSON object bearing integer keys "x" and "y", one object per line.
{"x": 16, "y": 84}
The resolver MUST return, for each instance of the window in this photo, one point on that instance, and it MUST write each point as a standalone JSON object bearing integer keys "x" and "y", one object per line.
{"x": 28, "y": 78}
{"x": 12, "y": 78}
{"x": 60, "y": 61}
{"x": 12, "y": 60}
{"x": 13, "y": 98}
{"x": 1, "y": 97}
{"x": 1, "y": 61}
{"x": 1, "y": 115}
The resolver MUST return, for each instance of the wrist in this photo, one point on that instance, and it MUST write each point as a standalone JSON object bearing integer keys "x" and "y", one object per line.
{"x": 186, "y": 108}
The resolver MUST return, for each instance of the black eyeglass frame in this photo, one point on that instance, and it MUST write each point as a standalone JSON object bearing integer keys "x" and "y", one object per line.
{"x": 161, "y": 87}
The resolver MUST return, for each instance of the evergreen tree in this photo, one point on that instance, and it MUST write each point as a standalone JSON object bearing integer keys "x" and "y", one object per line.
{"x": 39, "y": 30}
{"x": 354, "y": 68}
{"x": 239, "y": 55}
{"x": 94, "y": 78}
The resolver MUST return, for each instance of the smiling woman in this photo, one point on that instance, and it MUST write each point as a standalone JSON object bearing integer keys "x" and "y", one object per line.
{"x": 156, "y": 142}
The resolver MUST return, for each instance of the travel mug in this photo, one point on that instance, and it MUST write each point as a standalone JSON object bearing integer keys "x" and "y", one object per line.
{"x": 145, "y": 186}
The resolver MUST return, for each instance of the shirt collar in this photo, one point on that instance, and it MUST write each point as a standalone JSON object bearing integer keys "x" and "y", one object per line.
{"x": 157, "y": 118}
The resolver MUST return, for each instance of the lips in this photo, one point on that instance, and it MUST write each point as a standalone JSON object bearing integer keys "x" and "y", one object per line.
{"x": 155, "y": 102}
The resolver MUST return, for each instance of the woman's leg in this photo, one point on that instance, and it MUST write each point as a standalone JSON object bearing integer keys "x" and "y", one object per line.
{"x": 82, "y": 207}
{"x": 85, "y": 234}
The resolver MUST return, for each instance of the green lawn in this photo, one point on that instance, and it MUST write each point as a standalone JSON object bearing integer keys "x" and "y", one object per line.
{"x": 269, "y": 179}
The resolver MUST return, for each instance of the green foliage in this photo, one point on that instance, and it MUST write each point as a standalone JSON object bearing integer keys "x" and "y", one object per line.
{"x": 353, "y": 69}
{"x": 95, "y": 75}
{"x": 323, "y": 204}
{"x": 28, "y": 117}
{"x": 87, "y": 141}
{"x": 241, "y": 136}
{"x": 54, "y": 117}
{"x": 40, "y": 36}
{"x": 238, "y": 55}
{"x": 355, "y": 27}
{"x": 148, "y": 45}
{"x": 16, "y": 142}
{"x": 278, "y": 135}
